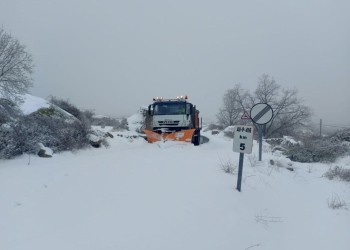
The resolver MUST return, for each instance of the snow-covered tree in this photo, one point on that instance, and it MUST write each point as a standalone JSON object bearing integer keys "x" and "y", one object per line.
{"x": 16, "y": 67}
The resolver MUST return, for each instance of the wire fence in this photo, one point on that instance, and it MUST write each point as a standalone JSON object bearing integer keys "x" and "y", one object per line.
{"x": 328, "y": 127}
{"x": 336, "y": 126}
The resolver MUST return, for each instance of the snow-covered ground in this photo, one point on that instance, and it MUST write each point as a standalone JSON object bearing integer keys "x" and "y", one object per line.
{"x": 134, "y": 195}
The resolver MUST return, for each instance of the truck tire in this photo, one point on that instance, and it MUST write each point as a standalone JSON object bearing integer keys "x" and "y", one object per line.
{"x": 196, "y": 138}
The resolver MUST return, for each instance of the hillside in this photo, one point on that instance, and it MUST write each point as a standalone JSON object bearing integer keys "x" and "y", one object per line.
{"x": 135, "y": 195}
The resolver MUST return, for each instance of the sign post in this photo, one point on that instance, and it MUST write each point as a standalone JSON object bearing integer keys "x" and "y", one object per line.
{"x": 261, "y": 113}
{"x": 260, "y": 134}
{"x": 242, "y": 144}
{"x": 240, "y": 172}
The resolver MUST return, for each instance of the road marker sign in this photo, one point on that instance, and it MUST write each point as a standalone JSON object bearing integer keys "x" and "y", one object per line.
{"x": 243, "y": 139}
{"x": 243, "y": 144}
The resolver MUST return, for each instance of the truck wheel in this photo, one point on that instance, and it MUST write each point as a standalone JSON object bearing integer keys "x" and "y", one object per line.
{"x": 196, "y": 138}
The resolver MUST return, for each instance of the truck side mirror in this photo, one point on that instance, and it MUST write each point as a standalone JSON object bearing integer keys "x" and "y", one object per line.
{"x": 188, "y": 109}
{"x": 150, "y": 110}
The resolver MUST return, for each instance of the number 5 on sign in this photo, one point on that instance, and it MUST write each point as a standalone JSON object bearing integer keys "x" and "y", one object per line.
{"x": 243, "y": 139}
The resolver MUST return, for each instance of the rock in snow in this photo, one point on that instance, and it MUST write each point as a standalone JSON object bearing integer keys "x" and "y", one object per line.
{"x": 44, "y": 151}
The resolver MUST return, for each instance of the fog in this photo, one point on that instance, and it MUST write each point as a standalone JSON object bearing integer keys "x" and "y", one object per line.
{"x": 113, "y": 56}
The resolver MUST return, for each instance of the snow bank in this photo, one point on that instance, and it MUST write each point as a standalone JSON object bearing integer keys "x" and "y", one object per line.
{"x": 135, "y": 121}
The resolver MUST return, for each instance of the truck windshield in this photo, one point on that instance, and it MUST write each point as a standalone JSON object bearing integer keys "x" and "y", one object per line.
{"x": 170, "y": 108}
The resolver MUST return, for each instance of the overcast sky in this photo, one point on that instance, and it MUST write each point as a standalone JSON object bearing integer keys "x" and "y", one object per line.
{"x": 113, "y": 56}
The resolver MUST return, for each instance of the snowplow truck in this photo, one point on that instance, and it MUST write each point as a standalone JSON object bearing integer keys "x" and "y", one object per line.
{"x": 172, "y": 120}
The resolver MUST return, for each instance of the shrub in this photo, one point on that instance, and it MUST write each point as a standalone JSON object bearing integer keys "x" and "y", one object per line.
{"x": 320, "y": 151}
{"x": 23, "y": 135}
{"x": 67, "y": 106}
{"x": 52, "y": 126}
{"x": 8, "y": 111}
{"x": 117, "y": 124}
{"x": 315, "y": 149}
{"x": 9, "y": 143}
{"x": 213, "y": 126}
{"x": 46, "y": 111}
{"x": 336, "y": 203}
{"x": 85, "y": 117}
{"x": 229, "y": 132}
{"x": 338, "y": 173}
{"x": 228, "y": 167}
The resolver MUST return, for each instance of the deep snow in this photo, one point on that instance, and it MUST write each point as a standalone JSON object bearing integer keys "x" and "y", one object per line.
{"x": 135, "y": 195}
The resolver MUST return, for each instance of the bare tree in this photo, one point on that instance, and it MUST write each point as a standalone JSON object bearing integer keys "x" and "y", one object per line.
{"x": 289, "y": 112}
{"x": 267, "y": 90}
{"x": 235, "y": 101}
{"x": 16, "y": 67}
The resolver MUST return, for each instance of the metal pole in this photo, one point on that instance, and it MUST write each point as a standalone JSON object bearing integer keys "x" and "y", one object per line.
{"x": 260, "y": 131}
{"x": 240, "y": 170}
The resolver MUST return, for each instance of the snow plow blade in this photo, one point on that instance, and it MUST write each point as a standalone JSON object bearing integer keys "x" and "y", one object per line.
{"x": 182, "y": 135}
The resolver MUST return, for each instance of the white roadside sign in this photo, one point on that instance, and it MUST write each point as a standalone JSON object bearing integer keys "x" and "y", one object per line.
{"x": 243, "y": 139}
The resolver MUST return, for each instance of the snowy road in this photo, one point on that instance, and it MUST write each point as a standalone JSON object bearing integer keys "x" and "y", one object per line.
{"x": 135, "y": 195}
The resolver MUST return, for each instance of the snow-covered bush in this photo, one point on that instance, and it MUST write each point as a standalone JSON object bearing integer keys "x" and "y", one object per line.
{"x": 23, "y": 135}
{"x": 342, "y": 136}
{"x": 312, "y": 148}
{"x": 9, "y": 145}
{"x": 85, "y": 117}
{"x": 97, "y": 138}
{"x": 285, "y": 141}
{"x": 57, "y": 134}
{"x": 88, "y": 117}
{"x": 117, "y": 124}
{"x": 8, "y": 111}
{"x": 317, "y": 151}
{"x": 213, "y": 126}
{"x": 338, "y": 173}
{"x": 229, "y": 131}
{"x": 67, "y": 106}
